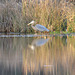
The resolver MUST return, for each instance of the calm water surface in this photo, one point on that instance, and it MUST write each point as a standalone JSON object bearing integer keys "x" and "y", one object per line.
{"x": 40, "y": 55}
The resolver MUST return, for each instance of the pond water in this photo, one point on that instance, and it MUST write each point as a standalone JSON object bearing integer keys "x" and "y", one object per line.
{"x": 37, "y": 54}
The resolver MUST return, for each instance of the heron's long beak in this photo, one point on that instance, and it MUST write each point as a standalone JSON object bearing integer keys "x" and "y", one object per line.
{"x": 28, "y": 23}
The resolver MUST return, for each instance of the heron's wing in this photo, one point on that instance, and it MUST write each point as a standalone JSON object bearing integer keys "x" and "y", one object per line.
{"x": 41, "y": 27}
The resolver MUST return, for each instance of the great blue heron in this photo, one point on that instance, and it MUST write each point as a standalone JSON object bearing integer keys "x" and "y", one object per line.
{"x": 38, "y": 27}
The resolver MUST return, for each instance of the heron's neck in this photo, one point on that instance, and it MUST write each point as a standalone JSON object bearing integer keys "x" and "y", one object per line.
{"x": 33, "y": 25}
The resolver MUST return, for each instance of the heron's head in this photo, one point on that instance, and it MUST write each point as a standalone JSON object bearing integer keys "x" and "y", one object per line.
{"x": 32, "y": 22}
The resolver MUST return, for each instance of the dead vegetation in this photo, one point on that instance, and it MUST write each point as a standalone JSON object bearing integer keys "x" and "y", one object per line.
{"x": 56, "y": 16}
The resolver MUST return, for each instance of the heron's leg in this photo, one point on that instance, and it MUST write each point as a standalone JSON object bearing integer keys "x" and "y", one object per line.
{"x": 44, "y": 32}
{"x": 35, "y": 32}
{"x": 41, "y": 33}
{"x": 38, "y": 32}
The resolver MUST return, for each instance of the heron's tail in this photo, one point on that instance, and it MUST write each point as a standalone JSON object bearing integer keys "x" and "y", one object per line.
{"x": 47, "y": 30}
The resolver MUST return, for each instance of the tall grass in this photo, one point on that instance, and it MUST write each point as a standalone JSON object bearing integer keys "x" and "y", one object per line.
{"x": 52, "y": 14}
{"x": 56, "y": 16}
{"x": 11, "y": 16}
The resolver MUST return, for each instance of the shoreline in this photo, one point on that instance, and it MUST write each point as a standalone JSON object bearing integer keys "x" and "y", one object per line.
{"x": 12, "y": 34}
{"x": 53, "y": 32}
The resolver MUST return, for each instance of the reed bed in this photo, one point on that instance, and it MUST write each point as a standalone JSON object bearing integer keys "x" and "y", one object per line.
{"x": 56, "y": 16}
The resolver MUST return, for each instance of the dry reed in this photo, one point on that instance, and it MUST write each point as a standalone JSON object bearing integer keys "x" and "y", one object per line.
{"x": 56, "y": 16}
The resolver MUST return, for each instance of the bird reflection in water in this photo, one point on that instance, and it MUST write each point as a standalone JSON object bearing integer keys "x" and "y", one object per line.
{"x": 37, "y": 43}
